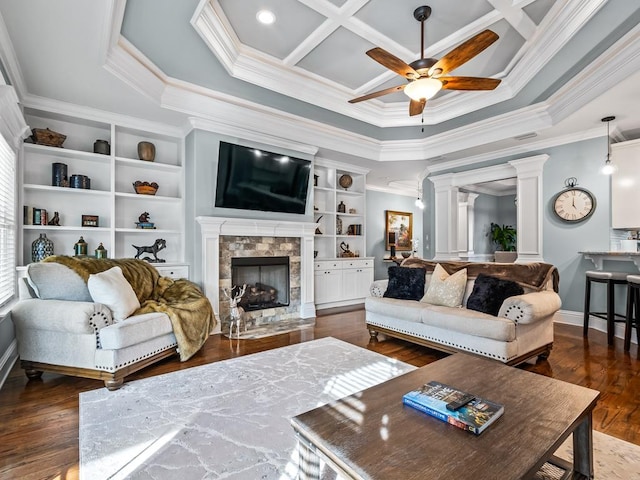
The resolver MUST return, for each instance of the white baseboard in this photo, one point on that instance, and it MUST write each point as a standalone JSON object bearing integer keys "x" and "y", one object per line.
{"x": 569, "y": 317}
{"x": 7, "y": 361}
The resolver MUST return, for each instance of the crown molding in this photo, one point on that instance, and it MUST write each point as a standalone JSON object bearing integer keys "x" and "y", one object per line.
{"x": 619, "y": 61}
{"x": 394, "y": 191}
{"x": 562, "y": 22}
{"x": 12, "y": 125}
{"x": 328, "y": 163}
{"x": 88, "y": 113}
{"x": 276, "y": 141}
{"x": 523, "y": 148}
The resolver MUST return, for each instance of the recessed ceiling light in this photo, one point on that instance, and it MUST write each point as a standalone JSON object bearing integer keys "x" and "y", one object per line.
{"x": 266, "y": 17}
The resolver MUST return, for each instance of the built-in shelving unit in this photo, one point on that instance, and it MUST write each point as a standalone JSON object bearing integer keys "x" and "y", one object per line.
{"x": 340, "y": 280}
{"x": 328, "y": 196}
{"x": 112, "y": 197}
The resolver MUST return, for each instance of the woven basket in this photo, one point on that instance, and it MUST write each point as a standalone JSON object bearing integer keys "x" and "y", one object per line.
{"x": 44, "y": 136}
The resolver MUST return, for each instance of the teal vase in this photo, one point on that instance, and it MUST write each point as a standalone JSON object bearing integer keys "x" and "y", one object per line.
{"x": 41, "y": 248}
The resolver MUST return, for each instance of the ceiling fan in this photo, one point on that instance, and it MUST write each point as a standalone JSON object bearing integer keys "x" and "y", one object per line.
{"x": 425, "y": 75}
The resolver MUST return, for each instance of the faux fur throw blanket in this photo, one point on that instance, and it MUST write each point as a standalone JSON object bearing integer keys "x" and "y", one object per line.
{"x": 188, "y": 309}
{"x": 531, "y": 275}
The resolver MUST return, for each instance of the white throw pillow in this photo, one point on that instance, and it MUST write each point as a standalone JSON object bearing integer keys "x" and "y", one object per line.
{"x": 444, "y": 289}
{"x": 111, "y": 289}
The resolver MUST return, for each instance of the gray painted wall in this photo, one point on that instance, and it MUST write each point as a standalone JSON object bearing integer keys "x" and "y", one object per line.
{"x": 562, "y": 241}
{"x": 377, "y": 204}
{"x": 201, "y": 171}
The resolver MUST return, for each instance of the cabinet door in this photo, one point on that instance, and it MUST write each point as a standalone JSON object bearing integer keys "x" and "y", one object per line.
{"x": 624, "y": 186}
{"x": 357, "y": 282}
{"x": 328, "y": 286}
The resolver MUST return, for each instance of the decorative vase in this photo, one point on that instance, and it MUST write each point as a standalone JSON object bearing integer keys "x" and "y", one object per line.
{"x": 146, "y": 151}
{"x": 58, "y": 174}
{"x": 41, "y": 248}
{"x": 101, "y": 252}
{"x": 102, "y": 147}
{"x": 342, "y": 208}
{"x": 338, "y": 226}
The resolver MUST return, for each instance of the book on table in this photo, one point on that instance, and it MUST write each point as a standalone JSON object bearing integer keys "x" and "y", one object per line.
{"x": 432, "y": 398}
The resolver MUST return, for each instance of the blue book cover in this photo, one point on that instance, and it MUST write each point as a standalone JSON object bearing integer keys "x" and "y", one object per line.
{"x": 432, "y": 398}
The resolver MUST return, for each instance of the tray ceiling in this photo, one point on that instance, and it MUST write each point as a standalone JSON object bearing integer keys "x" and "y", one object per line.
{"x": 315, "y": 50}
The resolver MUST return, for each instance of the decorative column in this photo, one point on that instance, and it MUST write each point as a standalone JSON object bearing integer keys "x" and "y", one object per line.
{"x": 466, "y": 223}
{"x": 530, "y": 207}
{"x": 446, "y": 213}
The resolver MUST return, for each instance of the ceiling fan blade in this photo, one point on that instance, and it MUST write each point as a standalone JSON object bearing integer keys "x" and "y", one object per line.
{"x": 463, "y": 53}
{"x": 417, "y": 106}
{"x": 379, "y": 93}
{"x": 392, "y": 62}
{"x": 469, "y": 83}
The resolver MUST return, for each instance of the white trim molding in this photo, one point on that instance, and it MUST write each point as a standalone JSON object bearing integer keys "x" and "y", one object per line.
{"x": 528, "y": 172}
{"x": 213, "y": 227}
{"x": 570, "y": 317}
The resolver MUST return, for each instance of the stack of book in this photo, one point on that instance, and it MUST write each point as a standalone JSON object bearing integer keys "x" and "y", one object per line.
{"x": 34, "y": 216}
{"x": 474, "y": 414}
{"x": 149, "y": 225}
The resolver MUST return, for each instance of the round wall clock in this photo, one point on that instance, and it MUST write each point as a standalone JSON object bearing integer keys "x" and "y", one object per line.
{"x": 574, "y": 204}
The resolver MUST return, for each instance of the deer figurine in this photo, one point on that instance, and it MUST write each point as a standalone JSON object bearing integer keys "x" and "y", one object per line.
{"x": 235, "y": 311}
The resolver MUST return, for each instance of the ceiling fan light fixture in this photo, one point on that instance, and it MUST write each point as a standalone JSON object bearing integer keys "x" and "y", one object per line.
{"x": 423, "y": 88}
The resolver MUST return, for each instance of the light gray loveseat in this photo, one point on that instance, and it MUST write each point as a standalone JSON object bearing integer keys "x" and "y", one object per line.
{"x": 522, "y": 329}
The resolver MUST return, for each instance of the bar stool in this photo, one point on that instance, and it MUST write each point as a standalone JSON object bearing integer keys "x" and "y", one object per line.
{"x": 633, "y": 305}
{"x": 610, "y": 279}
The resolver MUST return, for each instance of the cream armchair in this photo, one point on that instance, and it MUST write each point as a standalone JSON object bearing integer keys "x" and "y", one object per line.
{"x": 60, "y": 328}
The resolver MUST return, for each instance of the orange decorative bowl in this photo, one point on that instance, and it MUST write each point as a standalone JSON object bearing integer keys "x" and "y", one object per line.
{"x": 145, "y": 188}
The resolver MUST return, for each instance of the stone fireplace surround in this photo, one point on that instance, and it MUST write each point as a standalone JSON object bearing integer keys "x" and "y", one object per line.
{"x": 215, "y": 231}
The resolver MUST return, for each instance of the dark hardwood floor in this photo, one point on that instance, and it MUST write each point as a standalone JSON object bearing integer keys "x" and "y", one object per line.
{"x": 39, "y": 419}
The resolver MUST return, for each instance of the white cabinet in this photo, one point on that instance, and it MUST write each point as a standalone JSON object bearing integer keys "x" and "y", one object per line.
{"x": 625, "y": 213}
{"x": 337, "y": 230}
{"x": 343, "y": 281}
{"x": 111, "y": 196}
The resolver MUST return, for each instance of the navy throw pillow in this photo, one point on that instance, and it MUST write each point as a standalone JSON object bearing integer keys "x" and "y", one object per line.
{"x": 489, "y": 292}
{"x": 405, "y": 283}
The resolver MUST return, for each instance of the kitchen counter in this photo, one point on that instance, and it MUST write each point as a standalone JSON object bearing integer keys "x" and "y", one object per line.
{"x": 598, "y": 257}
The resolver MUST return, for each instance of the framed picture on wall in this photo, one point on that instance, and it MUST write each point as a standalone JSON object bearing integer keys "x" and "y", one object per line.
{"x": 399, "y": 230}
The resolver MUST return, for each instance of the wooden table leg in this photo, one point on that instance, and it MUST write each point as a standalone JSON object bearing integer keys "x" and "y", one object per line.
{"x": 583, "y": 448}
{"x": 308, "y": 461}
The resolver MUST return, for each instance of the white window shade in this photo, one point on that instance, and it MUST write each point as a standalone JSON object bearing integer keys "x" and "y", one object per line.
{"x": 7, "y": 221}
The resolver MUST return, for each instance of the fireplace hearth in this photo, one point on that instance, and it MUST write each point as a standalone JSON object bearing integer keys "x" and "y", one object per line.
{"x": 267, "y": 281}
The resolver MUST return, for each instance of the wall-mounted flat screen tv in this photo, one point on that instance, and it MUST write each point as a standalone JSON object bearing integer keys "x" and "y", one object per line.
{"x": 253, "y": 179}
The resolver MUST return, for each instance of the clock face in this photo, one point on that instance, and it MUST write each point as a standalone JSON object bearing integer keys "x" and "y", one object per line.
{"x": 574, "y": 204}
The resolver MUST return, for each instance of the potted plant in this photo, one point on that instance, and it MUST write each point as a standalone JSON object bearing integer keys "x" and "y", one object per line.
{"x": 505, "y": 238}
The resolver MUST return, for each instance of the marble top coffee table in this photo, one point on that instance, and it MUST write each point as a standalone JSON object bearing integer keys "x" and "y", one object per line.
{"x": 372, "y": 435}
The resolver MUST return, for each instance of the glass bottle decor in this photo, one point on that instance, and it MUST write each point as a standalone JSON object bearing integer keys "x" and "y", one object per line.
{"x": 41, "y": 248}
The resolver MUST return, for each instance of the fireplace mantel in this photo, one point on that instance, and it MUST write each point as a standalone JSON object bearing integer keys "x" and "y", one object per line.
{"x": 214, "y": 227}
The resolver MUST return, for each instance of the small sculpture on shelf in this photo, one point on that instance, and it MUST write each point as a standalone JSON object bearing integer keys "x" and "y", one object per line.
{"x": 345, "y": 250}
{"x": 318, "y": 231}
{"x": 143, "y": 221}
{"x": 158, "y": 245}
{"x": 55, "y": 220}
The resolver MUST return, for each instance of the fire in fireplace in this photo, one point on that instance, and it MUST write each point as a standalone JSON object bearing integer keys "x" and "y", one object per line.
{"x": 267, "y": 280}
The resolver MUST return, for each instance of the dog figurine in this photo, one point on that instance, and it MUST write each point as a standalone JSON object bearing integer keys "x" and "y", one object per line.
{"x": 158, "y": 245}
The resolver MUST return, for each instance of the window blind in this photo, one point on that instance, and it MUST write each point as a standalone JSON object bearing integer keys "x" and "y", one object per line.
{"x": 7, "y": 221}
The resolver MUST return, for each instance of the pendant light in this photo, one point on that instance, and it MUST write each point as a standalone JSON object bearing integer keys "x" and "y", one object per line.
{"x": 608, "y": 168}
{"x": 419, "y": 202}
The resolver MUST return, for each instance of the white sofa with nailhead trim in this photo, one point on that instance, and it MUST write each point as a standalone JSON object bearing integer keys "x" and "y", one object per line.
{"x": 522, "y": 329}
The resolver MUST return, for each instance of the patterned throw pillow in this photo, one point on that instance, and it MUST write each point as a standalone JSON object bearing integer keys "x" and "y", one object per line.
{"x": 405, "y": 283}
{"x": 489, "y": 292}
{"x": 444, "y": 289}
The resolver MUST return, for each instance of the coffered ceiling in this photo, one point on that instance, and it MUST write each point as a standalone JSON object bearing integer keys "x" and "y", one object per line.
{"x": 210, "y": 64}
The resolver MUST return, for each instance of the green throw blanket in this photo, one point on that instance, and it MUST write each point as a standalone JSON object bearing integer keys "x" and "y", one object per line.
{"x": 190, "y": 311}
